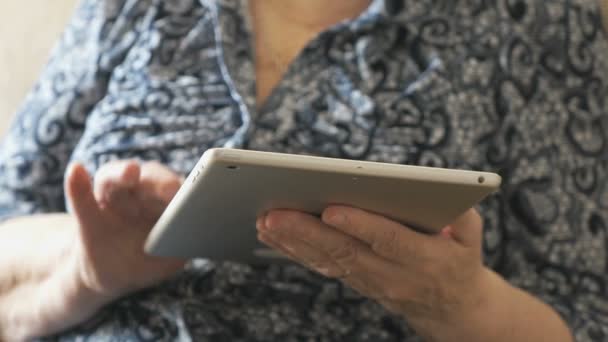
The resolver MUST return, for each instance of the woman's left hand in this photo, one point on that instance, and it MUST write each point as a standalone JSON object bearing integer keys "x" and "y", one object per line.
{"x": 434, "y": 281}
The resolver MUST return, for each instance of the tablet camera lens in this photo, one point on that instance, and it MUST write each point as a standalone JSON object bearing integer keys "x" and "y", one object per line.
{"x": 481, "y": 179}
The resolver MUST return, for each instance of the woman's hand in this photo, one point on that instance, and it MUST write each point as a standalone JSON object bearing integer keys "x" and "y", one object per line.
{"x": 69, "y": 266}
{"x": 438, "y": 283}
{"x": 114, "y": 218}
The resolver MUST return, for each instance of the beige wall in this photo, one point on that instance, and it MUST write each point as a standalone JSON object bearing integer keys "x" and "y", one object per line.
{"x": 28, "y": 29}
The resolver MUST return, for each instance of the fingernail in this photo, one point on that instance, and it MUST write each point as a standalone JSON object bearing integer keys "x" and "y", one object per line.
{"x": 274, "y": 224}
{"x": 337, "y": 219}
{"x": 259, "y": 223}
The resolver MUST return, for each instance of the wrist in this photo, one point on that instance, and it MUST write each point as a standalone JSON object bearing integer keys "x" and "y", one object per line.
{"x": 54, "y": 303}
{"x": 80, "y": 293}
{"x": 486, "y": 320}
{"x": 64, "y": 300}
{"x": 478, "y": 315}
{"x": 500, "y": 313}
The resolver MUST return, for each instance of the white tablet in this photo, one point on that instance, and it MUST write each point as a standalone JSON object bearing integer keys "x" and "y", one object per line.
{"x": 213, "y": 214}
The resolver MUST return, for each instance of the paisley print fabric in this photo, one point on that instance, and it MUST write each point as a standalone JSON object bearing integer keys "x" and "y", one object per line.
{"x": 517, "y": 87}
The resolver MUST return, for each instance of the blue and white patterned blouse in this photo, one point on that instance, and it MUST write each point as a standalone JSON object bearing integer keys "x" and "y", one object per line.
{"x": 517, "y": 87}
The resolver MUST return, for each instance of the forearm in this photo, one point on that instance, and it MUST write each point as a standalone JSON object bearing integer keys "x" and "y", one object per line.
{"x": 40, "y": 292}
{"x": 30, "y": 246}
{"x": 522, "y": 317}
{"x": 508, "y": 314}
{"x": 44, "y": 307}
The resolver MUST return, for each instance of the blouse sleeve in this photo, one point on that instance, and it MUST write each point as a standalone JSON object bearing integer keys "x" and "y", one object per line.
{"x": 47, "y": 127}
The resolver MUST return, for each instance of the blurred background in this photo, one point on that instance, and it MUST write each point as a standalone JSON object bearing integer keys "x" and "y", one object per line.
{"x": 28, "y": 30}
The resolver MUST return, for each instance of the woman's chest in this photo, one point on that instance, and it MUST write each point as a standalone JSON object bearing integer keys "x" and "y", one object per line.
{"x": 491, "y": 94}
{"x": 437, "y": 91}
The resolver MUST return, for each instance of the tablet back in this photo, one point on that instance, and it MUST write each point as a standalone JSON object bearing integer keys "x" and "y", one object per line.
{"x": 214, "y": 213}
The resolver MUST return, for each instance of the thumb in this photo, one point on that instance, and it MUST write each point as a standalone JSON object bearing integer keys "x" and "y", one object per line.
{"x": 81, "y": 200}
{"x": 467, "y": 229}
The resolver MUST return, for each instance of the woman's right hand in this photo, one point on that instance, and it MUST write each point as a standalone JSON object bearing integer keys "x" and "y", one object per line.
{"x": 114, "y": 218}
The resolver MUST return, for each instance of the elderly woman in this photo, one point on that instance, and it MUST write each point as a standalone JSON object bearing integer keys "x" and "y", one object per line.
{"x": 137, "y": 90}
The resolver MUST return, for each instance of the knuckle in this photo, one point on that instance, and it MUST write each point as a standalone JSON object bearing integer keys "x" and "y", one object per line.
{"x": 372, "y": 237}
{"x": 295, "y": 224}
{"x": 324, "y": 268}
{"x": 388, "y": 245}
{"x": 347, "y": 252}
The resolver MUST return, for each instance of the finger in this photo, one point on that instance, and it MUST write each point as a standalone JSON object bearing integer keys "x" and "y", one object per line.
{"x": 81, "y": 200}
{"x": 318, "y": 261}
{"x": 270, "y": 242}
{"x": 293, "y": 228}
{"x": 114, "y": 186}
{"x": 274, "y": 244}
{"x": 163, "y": 181}
{"x": 310, "y": 257}
{"x": 467, "y": 229}
{"x": 304, "y": 254}
{"x": 158, "y": 185}
{"x": 385, "y": 237}
{"x": 114, "y": 178}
